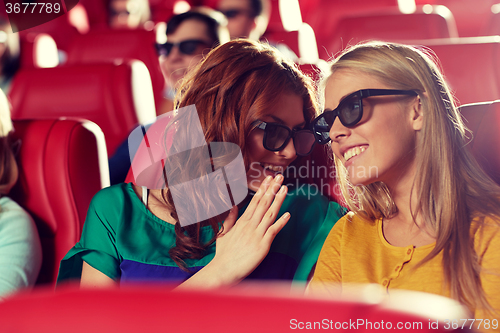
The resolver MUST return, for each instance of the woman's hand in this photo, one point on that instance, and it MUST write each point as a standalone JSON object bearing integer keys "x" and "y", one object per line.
{"x": 245, "y": 242}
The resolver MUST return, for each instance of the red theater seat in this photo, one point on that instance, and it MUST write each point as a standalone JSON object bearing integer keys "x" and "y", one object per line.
{"x": 289, "y": 38}
{"x": 62, "y": 164}
{"x": 491, "y": 24}
{"x": 38, "y": 50}
{"x": 161, "y": 10}
{"x": 471, "y": 66}
{"x": 97, "y": 13}
{"x": 115, "y": 97}
{"x": 262, "y": 308}
{"x": 313, "y": 71}
{"x": 391, "y": 25}
{"x": 470, "y": 15}
{"x": 60, "y": 29}
{"x": 324, "y": 15}
{"x": 483, "y": 119}
{"x": 108, "y": 45}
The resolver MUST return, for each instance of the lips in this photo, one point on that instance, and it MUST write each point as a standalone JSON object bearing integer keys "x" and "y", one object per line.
{"x": 354, "y": 151}
{"x": 272, "y": 167}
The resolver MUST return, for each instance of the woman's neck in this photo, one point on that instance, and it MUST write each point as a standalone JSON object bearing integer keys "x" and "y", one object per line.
{"x": 405, "y": 228}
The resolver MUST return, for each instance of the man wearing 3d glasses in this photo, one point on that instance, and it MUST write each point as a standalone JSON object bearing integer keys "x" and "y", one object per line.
{"x": 190, "y": 35}
{"x": 246, "y": 18}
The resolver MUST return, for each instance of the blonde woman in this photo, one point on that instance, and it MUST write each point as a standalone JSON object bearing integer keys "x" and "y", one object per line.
{"x": 20, "y": 249}
{"x": 424, "y": 215}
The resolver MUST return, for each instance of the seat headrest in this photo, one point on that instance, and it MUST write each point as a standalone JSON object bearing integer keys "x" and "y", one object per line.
{"x": 114, "y": 96}
{"x": 62, "y": 165}
{"x": 483, "y": 119}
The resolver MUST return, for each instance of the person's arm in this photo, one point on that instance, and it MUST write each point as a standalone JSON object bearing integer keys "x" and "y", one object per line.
{"x": 244, "y": 243}
{"x": 488, "y": 249}
{"x": 93, "y": 278}
{"x": 20, "y": 249}
{"x": 97, "y": 245}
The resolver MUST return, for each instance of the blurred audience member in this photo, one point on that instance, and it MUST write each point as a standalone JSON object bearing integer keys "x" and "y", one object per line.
{"x": 190, "y": 36}
{"x": 9, "y": 54}
{"x": 246, "y": 18}
{"x": 249, "y": 19}
{"x": 20, "y": 249}
{"x": 130, "y": 14}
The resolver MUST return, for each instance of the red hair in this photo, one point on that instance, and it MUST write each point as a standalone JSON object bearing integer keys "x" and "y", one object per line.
{"x": 234, "y": 86}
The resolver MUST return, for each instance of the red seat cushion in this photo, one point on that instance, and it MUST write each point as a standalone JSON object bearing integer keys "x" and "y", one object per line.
{"x": 108, "y": 45}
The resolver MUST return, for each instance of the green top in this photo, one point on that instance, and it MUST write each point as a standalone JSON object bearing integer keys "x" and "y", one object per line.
{"x": 125, "y": 241}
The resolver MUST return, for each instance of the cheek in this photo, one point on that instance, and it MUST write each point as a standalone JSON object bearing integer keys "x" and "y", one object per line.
{"x": 232, "y": 25}
{"x": 336, "y": 150}
{"x": 163, "y": 64}
{"x": 255, "y": 147}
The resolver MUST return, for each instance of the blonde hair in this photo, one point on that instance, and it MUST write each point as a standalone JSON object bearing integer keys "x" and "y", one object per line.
{"x": 450, "y": 186}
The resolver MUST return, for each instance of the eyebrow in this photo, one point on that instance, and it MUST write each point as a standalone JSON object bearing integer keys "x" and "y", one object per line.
{"x": 341, "y": 100}
{"x": 279, "y": 120}
{"x": 347, "y": 95}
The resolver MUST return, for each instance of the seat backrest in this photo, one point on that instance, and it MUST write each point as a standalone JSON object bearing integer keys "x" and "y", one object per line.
{"x": 60, "y": 29}
{"x": 392, "y": 25}
{"x": 470, "y": 15}
{"x": 38, "y": 50}
{"x": 108, "y": 45}
{"x": 62, "y": 164}
{"x": 261, "y": 308}
{"x": 161, "y": 10}
{"x": 483, "y": 119}
{"x": 491, "y": 23}
{"x": 115, "y": 96}
{"x": 324, "y": 15}
{"x": 471, "y": 66}
{"x": 289, "y": 38}
{"x": 97, "y": 13}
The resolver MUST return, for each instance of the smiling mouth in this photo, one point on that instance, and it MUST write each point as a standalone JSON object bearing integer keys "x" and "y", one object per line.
{"x": 353, "y": 152}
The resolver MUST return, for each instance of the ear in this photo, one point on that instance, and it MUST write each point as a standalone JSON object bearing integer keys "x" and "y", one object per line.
{"x": 416, "y": 114}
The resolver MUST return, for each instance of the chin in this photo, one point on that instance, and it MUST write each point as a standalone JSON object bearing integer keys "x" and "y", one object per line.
{"x": 362, "y": 175}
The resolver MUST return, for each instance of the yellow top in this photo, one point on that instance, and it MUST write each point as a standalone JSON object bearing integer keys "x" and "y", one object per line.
{"x": 356, "y": 251}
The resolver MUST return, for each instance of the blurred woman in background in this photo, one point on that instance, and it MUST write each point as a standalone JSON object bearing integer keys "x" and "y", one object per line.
{"x": 9, "y": 54}
{"x": 20, "y": 249}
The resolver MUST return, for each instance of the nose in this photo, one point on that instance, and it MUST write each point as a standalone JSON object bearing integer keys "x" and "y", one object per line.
{"x": 288, "y": 151}
{"x": 338, "y": 131}
{"x": 175, "y": 54}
